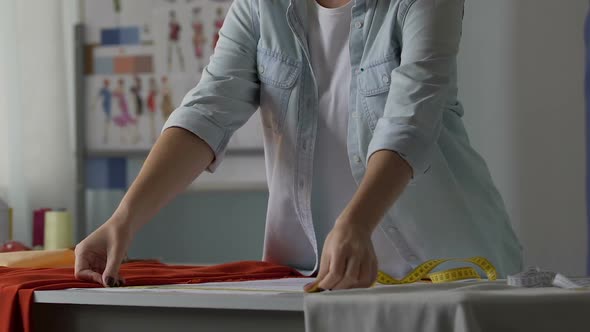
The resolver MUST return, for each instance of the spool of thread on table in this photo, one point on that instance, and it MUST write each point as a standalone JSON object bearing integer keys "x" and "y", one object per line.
{"x": 58, "y": 230}
{"x": 5, "y": 222}
{"x": 11, "y": 223}
{"x": 39, "y": 227}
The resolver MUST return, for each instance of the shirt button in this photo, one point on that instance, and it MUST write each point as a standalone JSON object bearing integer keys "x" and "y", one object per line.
{"x": 357, "y": 159}
{"x": 358, "y": 24}
{"x": 261, "y": 69}
{"x": 385, "y": 78}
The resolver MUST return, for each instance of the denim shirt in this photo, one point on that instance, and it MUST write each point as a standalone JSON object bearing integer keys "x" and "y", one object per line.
{"x": 403, "y": 98}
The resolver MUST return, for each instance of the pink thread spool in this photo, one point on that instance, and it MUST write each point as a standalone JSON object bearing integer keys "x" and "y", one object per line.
{"x": 39, "y": 227}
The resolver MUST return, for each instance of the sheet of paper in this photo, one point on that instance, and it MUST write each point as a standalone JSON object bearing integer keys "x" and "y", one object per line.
{"x": 570, "y": 283}
{"x": 260, "y": 287}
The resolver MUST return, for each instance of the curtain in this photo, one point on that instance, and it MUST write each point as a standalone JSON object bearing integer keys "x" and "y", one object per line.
{"x": 37, "y": 167}
{"x": 587, "y": 94}
{"x": 13, "y": 185}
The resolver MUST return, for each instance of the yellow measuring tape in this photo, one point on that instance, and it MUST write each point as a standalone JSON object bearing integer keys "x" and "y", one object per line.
{"x": 422, "y": 272}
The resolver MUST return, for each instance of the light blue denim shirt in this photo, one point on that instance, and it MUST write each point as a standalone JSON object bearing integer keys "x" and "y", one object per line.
{"x": 403, "y": 98}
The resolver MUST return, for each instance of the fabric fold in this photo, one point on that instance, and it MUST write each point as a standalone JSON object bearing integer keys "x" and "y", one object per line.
{"x": 17, "y": 285}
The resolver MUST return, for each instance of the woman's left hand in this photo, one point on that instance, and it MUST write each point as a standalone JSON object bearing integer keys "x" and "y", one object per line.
{"x": 348, "y": 258}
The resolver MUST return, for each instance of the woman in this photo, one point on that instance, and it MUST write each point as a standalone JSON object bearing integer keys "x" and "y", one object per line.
{"x": 358, "y": 98}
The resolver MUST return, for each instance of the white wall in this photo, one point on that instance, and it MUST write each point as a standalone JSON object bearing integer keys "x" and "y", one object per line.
{"x": 521, "y": 79}
{"x": 41, "y": 168}
{"x": 12, "y": 183}
{"x": 6, "y": 29}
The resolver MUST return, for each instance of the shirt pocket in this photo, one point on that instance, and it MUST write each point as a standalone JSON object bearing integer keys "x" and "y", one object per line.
{"x": 278, "y": 74}
{"x": 374, "y": 82}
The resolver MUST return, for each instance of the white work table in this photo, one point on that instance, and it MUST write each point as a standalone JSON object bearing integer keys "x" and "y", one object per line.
{"x": 462, "y": 306}
{"x": 92, "y": 310}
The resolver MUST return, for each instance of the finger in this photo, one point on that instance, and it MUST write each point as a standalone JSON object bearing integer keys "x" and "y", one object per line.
{"x": 351, "y": 275}
{"x": 83, "y": 270}
{"x": 79, "y": 263}
{"x": 89, "y": 275}
{"x": 111, "y": 271}
{"x": 336, "y": 273}
{"x": 374, "y": 271}
{"x": 365, "y": 274}
{"x": 324, "y": 268}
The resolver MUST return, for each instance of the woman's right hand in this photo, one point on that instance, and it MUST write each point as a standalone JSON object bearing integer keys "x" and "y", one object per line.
{"x": 99, "y": 256}
{"x": 177, "y": 158}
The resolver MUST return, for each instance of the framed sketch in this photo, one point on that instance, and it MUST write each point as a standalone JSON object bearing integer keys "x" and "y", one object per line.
{"x": 141, "y": 58}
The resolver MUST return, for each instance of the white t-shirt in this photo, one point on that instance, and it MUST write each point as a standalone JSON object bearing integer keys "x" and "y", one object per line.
{"x": 333, "y": 184}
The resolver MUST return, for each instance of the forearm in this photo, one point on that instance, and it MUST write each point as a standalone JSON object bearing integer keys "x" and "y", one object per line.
{"x": 385, "y": 179}
{"x": 176, "y": 159}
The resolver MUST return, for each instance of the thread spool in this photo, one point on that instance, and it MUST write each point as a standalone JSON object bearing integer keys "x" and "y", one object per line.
{"x": 39, "y": 227}
{"x": 58, "y": 230}
{"x": 5, "y": 222}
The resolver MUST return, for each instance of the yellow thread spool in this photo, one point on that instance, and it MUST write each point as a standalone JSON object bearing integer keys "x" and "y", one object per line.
{"x": 58, "y": 230}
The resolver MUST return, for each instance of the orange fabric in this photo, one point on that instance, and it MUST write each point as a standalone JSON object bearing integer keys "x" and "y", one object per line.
{"x": 38, "y": 258}
{"x": 18, "y": 284}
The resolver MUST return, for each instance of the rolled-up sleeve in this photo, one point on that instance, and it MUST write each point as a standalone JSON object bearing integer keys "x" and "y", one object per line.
{"x": 228, "y": 92}
{"x": 420, "y": 86}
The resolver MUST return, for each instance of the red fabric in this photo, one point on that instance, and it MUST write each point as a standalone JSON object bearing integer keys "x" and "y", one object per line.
{"x": 18, "y": 284}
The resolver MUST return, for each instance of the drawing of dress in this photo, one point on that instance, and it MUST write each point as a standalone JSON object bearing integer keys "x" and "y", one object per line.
{"x": 218, "y": 24}
{"x": 124, "y": 119}
{"x": 151, "y": 105}
{"x": 136, "y": 92}
{"x": 106, "y": 96}
{"x": 117, "y": 6}
{"x": 198, "y": 42}
{"x": 174, "y": 41}
{"x": 167, "y": 105}
{"x": 151, "y": 101}
{"x": 117, "y": 10}
{"x": 198, "y": 39}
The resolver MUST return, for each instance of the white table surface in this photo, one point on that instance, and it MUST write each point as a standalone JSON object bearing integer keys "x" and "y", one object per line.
{"x": 450, "y": 307}
{"x": 237, "y": 301}
{"x": 98, "y": 310}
